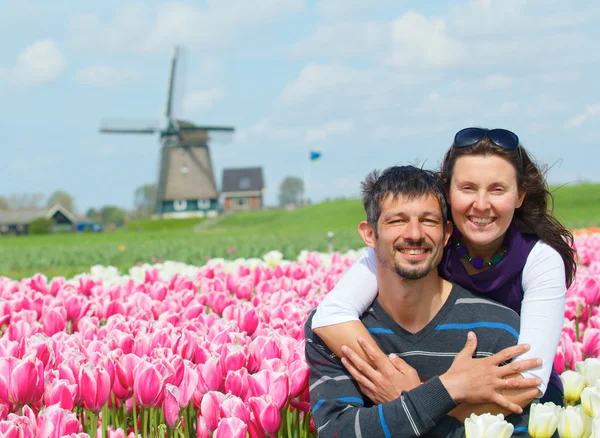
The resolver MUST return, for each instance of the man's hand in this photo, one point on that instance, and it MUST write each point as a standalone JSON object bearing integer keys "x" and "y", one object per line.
{"x": 384, "y": 383}
{"x": 480, "y": 380}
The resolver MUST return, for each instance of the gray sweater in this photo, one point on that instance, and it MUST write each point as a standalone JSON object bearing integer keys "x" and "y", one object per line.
{"x": 341, "y": 410}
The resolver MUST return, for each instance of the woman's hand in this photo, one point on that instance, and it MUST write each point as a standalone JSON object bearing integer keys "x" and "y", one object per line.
{"x": 483, "y": 380}
{"x": 384, "y": 383}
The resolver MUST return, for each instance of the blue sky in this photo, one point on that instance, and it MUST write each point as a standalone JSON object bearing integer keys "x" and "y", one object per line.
{"x": 368, "y": 86}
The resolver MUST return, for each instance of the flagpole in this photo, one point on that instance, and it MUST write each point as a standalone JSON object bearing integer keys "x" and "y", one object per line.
{"x": 306, "y": 179}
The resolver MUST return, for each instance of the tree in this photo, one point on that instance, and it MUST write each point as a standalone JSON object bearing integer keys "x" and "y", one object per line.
{"x": 112, "y": 215}
{"x": 107, "y": 215}
{"x": 41, "y": 226}
{"x": 62, "y": 198}
{"x": 145, "y": 200}
{"x": 291, "y": 190}
{"x": 94, "y": 215}
{"x": 3, "y": 203}
{"x": 25, "y": 200}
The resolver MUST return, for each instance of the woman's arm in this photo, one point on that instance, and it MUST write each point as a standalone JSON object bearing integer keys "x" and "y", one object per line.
{"x": 542, "y": 309}
{"x": 542, "y": 316}
{"x": 336, "y": 320}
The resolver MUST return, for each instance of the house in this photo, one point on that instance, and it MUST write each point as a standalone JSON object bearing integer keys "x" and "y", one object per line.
{"x": 16, "y": 221}
{"x": 242, "y": 189}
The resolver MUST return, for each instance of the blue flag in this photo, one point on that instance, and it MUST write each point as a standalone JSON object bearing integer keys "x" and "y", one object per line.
{"x": 314, "y": 156}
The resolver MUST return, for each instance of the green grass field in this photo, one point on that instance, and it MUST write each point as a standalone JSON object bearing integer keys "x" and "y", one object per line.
{"x": 239, "y": 235}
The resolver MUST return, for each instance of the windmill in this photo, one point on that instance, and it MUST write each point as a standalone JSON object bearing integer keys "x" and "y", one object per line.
{"x": 186, "y": 181}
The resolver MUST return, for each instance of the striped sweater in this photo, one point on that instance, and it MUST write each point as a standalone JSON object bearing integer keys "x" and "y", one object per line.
{"x": 340, "y": 410}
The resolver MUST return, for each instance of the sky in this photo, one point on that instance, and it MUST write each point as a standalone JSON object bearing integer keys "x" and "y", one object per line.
{"x": 367, "y": 85}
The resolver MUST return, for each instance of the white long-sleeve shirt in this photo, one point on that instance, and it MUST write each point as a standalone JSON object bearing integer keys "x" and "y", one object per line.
{"x": 542, "y": 309}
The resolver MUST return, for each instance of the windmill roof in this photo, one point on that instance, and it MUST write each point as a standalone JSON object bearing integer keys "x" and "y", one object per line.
{"x": 248, "y": 179}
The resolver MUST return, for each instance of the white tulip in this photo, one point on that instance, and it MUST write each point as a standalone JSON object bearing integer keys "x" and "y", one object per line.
{"x": 590, "y": 368}
{"x": 590, "y": 399}
{"x": 573, "y": 383}
{"x": 595, "y": 428}
{"x": 543, "y": 419}
{"x": 488, "y": 426}
{"x": 571, "y": 423}
{"x": 273, "y": 258}
{"x": 587, "y": 422}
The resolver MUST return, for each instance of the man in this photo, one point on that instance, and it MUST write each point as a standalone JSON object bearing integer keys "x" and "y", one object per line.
{"x": 419, "y": 315}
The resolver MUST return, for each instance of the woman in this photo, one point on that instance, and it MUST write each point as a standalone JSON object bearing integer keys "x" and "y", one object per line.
{"x": 506, "y": 246}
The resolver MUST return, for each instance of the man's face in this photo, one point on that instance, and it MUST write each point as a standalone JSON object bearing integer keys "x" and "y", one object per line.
{"x": 412, "y": 235}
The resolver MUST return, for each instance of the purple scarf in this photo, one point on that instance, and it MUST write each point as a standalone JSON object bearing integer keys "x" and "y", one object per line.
{"x": 502, "y": 282}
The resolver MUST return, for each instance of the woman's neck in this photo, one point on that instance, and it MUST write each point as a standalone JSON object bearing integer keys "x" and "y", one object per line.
{"x": 486, "y": 252}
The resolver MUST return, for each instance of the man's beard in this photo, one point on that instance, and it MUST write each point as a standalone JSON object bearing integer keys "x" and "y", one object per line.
{"x": 412, "y": 274}
{"x": 416, "y": 272}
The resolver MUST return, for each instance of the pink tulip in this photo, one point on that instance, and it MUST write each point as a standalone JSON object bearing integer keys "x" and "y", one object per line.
{"x": 211, "y": 408}
{"x": 261, "y": 348}
{"x": 266, "y": 412}
{"x": 54, "y": 320}
{"x": 125, "y": 367}
{"x": 218, "y": 302}
{"x": 202, "y": 430}
{"x": 94, "y": 386}
{"x": 212, "y": 374}
{"x": 171, "y": 405}
{"x": 9, "y": 348}
{"x": 76, "y": 306}
{"x": 231, "y": 428}
{"x": 234, "y": 406}
{"x": 244, "y": 291}
{"x": 591, "y": 291}
{"x": 56, "y": 422}
{"x": 559, "y": 360}
{"x": 591, "y": 342}
{"x": 60, "y": 392}
{"x": 148, "y": 386}
{"x": 233, "y": 357}
{"x": 274, "y": 384}
{"x": 236, "y": 382}
{"x": 189, "y": 384}
{"x": 299, "y": 372}
{"x": 21, "y": 380}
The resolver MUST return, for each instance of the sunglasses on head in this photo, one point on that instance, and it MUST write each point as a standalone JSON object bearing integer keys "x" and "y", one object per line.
{"x": 502, "y": 138}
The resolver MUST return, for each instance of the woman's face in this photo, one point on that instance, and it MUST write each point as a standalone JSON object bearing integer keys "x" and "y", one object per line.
{"x": 483, "y": 196}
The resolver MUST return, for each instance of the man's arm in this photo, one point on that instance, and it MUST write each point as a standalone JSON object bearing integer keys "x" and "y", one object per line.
{"x": 338, "y": 406}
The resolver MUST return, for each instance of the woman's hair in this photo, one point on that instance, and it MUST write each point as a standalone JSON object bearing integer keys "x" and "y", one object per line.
{"x": 534, "y": 216}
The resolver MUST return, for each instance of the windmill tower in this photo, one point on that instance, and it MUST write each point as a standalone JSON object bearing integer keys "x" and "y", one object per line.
{"x": 186, "y": 181}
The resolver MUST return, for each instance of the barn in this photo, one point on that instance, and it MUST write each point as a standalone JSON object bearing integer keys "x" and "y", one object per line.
{"x": 16, "y": 221}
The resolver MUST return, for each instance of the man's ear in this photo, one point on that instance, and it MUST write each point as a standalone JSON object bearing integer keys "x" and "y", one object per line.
{"x": 448, "y": 232}
{"x": 367, "y": 233}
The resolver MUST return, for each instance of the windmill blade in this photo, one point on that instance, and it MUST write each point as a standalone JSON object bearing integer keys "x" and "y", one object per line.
{"x": 128, "y": 127}
{"x": 207, "y": 128}
{"x": 169, "y": 110}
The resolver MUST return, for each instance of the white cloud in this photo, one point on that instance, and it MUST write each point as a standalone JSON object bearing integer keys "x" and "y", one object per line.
{"x": 142, "y": 27}
{"x": 433, "y": 96}
{"x": 263, "y": 130}
{"x": 514, "y": 17}
{"x": 496, "y": 81}
{"x": 421, "y": 42}
{"x": 329, "y": 129}
{"x": 315, "y": 79}
{"x": 344, "y": 39}
{"x": 40, "y": 63}
{"x": 202, "y": 100}
{"x": 101, "y": 75}
{"x": 590, "y": 111}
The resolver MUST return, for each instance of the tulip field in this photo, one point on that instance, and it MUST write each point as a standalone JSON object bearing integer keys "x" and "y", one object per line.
{"x": 175, "y": 350}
